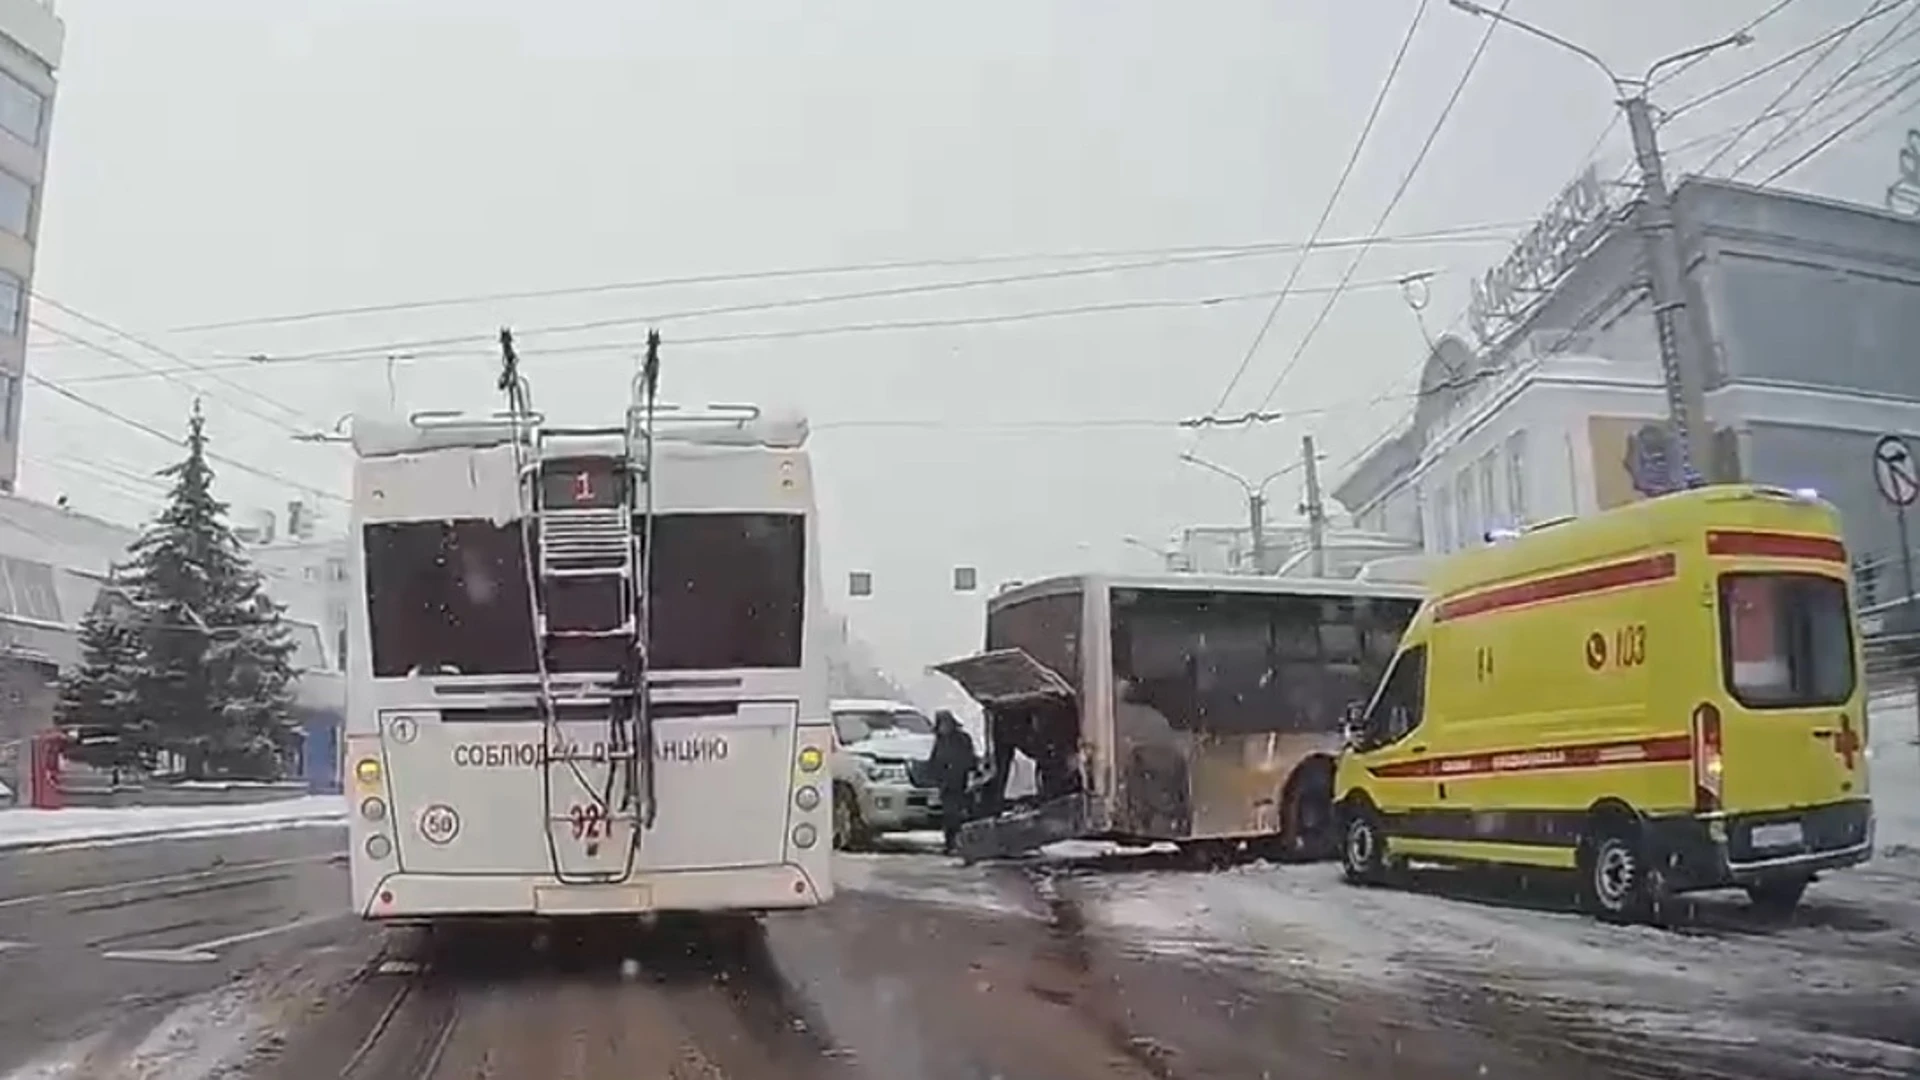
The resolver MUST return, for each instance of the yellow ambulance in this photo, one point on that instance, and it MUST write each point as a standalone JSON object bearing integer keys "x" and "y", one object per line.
{"x": 1664, "y": 697}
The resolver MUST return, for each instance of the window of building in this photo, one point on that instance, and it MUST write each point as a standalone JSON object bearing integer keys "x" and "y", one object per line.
{"x": 1517, "y": 476}
{"x": 30, "y": 592}
{"x": 9, "y": 405}
{"x": 13, "y": 296}
{"x": 1489, "y": 491}
{"x": 1442, "y": 519}
{"x": 16, "y": 203}
{"x": 23, "y": 109}
{"x": 1466, "y": 510}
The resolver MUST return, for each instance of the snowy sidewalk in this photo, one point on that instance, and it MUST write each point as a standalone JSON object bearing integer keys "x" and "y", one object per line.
{"x": 1896, "y": 774}
{"x": 20, "y": 829}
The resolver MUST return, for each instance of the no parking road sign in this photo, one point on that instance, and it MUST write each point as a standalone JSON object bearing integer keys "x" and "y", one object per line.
{"x": 1894, "y": 470}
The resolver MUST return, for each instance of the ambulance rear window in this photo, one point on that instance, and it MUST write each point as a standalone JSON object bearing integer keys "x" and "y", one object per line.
{"x": 1786, "y": 641}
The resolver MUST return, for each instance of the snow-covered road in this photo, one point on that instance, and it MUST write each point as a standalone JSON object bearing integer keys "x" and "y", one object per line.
{"x": 1834, "y": 985}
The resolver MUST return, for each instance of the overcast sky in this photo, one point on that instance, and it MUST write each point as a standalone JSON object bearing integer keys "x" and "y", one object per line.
{"x": 218, "y": 160}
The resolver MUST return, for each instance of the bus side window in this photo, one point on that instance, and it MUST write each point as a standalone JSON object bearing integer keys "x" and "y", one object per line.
{"x": 1399, "y": 707}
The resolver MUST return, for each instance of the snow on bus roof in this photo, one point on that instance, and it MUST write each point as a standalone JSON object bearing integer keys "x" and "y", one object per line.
{"x": 1190, "y": 582}
{"x": 386, "y": 434}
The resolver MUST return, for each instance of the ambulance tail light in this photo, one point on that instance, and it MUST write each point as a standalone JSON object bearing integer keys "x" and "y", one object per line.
{"x": 1709, "y": 762}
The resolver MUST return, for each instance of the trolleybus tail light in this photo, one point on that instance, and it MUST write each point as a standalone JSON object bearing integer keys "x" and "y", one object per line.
{"x": 367, "y": 770}
{"x": 805, "y": 835}
{"x": 378, "y": 846}
{"x": 807, "y": 798}
{"x": 373, "y": 808}
{"x": 811, "y": 759}
{"x": 1709, "y": 764}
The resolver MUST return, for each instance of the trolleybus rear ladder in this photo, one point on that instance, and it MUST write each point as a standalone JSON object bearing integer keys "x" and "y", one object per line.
{"x": 594, "y": 546}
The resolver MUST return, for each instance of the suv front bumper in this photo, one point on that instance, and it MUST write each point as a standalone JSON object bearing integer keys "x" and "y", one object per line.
{"x": 899, "y": 807}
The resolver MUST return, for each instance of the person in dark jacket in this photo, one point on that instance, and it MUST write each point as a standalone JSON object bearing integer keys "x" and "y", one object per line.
{"x": 951, "y": 763}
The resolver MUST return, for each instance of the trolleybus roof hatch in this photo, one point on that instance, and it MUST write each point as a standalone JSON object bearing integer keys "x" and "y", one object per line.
{"x": 1004, "y": 677}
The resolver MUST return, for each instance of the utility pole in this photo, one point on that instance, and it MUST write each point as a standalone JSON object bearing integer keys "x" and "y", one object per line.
{"x": 1683, "y": 356}
{"x": 1315, "y": 510}
{"x": 1683, "y": 352}
{"x": 1256, "y": 503}
{"x": 1257, "y": 522}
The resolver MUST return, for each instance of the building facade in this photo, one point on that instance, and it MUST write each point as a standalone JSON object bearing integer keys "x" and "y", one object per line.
{"x": 309, "y": 576}
{"x": 53, "y": 564}
{"x": 31, "y": 39}
{"x": 1810, "y": 309}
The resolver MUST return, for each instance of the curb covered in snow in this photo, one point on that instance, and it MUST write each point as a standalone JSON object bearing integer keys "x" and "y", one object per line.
{"x": 28, "y": 830}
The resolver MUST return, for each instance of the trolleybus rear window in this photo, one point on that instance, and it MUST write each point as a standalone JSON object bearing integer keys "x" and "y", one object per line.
{"x": 450, "y": 597}
{"x": 1245, "y": 662}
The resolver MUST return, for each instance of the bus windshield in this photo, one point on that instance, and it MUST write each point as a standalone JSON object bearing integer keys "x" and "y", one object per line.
{"x": 450, "y": 597}
{"x": 1229, "y": 662}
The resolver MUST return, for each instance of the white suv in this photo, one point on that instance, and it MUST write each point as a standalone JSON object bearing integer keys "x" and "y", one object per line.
{"x": 880, "y": 781}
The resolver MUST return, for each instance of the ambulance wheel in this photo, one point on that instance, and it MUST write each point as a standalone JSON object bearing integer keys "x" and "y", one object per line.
{"x": 1363, "y": 846}
{"x": 850, "y": 832}
{"x": 1615, "y": 881}
{"x": 1777, "y": 896}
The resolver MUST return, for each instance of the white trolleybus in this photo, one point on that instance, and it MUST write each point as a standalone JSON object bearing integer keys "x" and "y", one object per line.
{"x": 583, "y": 680}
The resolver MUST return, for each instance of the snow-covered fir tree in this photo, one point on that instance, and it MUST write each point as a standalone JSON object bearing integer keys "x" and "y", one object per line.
{"x": 99, "y": 704}
{"x": 216, "y": 682}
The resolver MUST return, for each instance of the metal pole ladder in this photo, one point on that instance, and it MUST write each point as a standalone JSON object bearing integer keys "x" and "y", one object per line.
{"x": 585, "y": 518}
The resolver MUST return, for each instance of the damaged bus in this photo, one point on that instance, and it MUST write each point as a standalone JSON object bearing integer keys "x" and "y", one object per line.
{"x": 1201, "y": 710}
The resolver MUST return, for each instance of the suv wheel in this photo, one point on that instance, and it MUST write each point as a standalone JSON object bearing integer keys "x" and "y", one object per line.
{"x": 850, "y": 832}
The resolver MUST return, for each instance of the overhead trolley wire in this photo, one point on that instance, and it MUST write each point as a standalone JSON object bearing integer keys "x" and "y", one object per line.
{"x": 1792, "y": 126}
{"x": 147, "y": 369}
{"x": 1180, "y": 252}
{"x": 1778, "y": 62}
{"x": 1874, "y": 8}
{"x": 1751, "y": 25}
{"x": 1853, "y": 95}
{"x": 89, "y": 403}
{"x": 1835, "y": 135}
{"x": 1326, "y": 212}
{"x": 378, "y": 349}
{"x": 1406, "y": 182}
{"x": 162, "y": 351}
{"x": 835, "y": 329}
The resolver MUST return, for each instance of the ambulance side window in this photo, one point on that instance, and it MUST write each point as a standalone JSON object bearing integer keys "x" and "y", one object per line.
{"x": 1397, "y": 709}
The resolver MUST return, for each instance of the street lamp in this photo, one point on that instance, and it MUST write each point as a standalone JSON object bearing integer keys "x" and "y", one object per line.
{"x": 1256, "y": 501}
{"x": 1684, "y": 374}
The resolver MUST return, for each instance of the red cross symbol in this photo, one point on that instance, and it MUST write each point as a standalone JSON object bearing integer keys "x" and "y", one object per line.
{"x": 1847, "y": 742}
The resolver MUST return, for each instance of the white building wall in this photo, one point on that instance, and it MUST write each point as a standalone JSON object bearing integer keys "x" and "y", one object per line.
{"x": 310, "y": 578}
{"x": 31, "y": 39}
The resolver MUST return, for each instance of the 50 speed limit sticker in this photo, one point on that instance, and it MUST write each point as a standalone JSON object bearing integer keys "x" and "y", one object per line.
{"x": 439, "y": 824}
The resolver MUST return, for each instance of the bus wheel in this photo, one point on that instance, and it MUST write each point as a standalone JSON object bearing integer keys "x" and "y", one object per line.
{"x": 1309, "y": 830}
{"x": 1778, "y": 896}
{"x": 1363, "y": 846}
{"x": 1615, "y": 883}
{"x": 849, "y": 831}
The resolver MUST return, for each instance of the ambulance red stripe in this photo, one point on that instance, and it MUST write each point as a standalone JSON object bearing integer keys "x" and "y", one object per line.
{"x": 1775, "y": 545}
{"x": 1544, "y": 590}
{"x": 1667, "y": 748}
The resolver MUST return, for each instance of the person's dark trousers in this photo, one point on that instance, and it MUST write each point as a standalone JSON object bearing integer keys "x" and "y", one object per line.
{"x": 953, "y": 814}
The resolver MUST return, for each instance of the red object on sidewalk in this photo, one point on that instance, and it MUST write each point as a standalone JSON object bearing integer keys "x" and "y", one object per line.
{"x": 43, "y": 781}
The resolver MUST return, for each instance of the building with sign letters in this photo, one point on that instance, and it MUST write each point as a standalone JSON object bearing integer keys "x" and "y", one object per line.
{"x": 1812, "y": 311}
